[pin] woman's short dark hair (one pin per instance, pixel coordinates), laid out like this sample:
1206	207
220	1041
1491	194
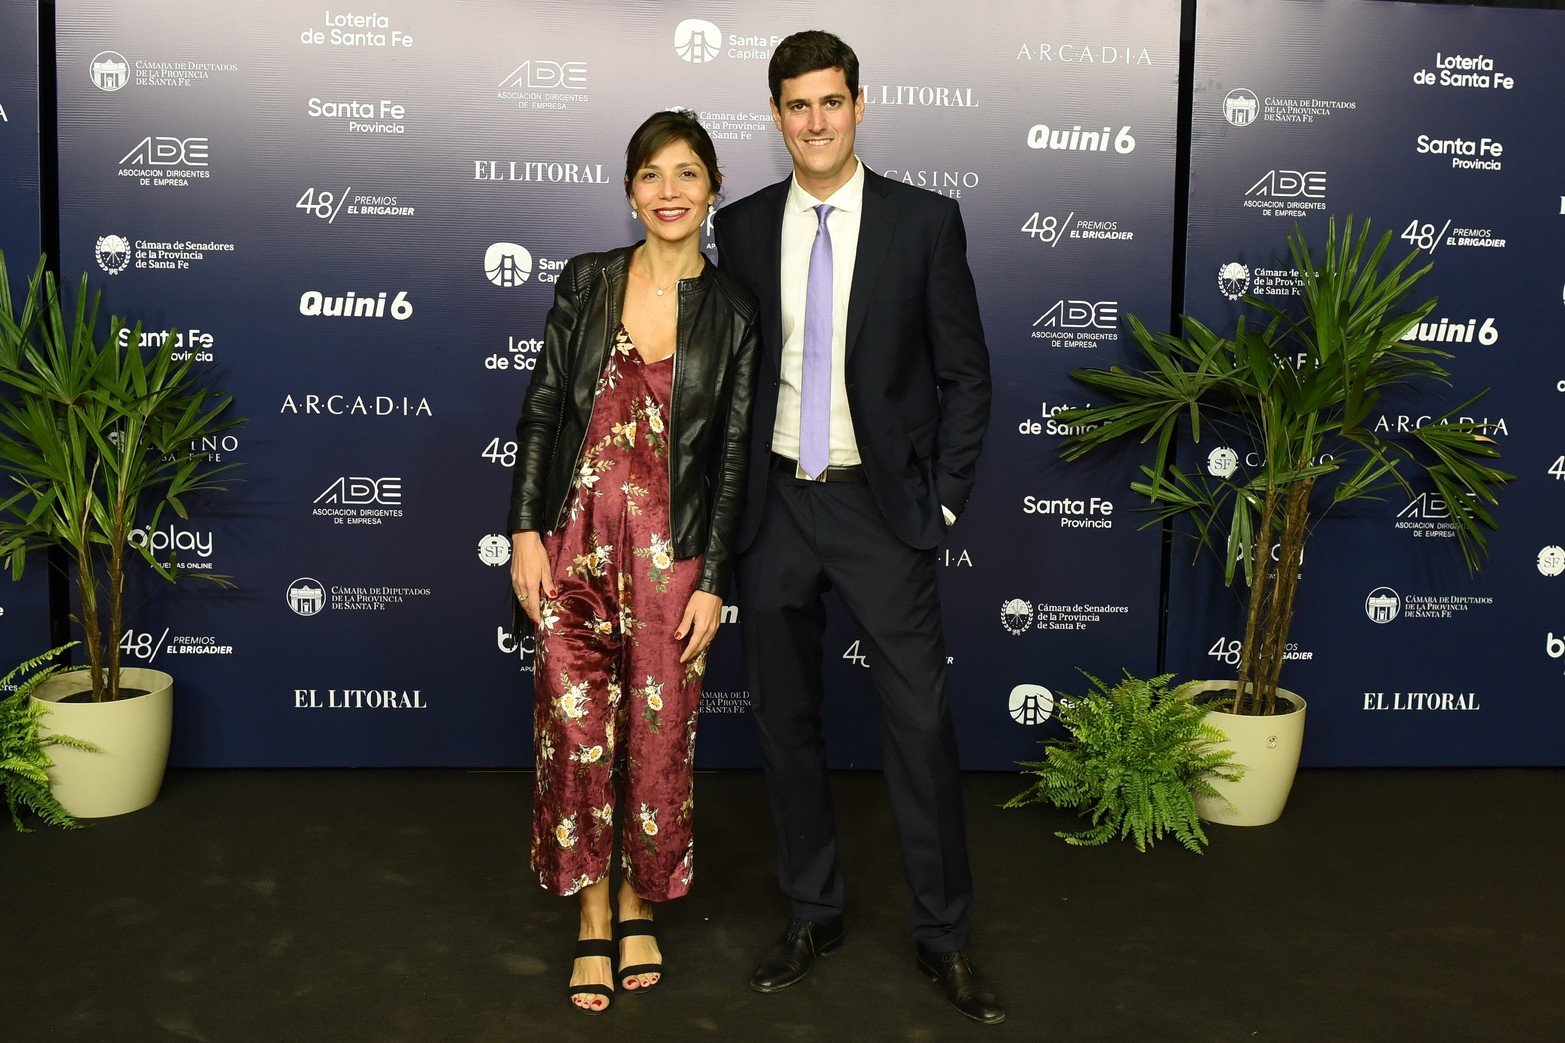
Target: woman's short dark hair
662	129
808	51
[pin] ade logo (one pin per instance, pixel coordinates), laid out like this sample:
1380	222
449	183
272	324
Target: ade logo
170	152
544	75
363	492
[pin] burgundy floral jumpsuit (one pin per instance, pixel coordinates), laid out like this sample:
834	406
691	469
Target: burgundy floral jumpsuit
611	697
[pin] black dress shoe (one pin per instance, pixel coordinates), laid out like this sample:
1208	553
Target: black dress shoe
964	986
794	954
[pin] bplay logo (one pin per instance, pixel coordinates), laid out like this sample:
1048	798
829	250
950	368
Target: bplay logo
167	544
523	646
109	71
1383	605
1233	279
113	253
306	596
507	264
1031	704
697	41
1241	107
1016	616
1554	646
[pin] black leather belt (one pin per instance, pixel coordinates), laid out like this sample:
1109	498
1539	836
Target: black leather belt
783	465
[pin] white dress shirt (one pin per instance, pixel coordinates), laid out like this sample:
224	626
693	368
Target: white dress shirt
798	239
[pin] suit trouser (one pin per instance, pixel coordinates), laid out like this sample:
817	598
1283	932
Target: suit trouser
814	537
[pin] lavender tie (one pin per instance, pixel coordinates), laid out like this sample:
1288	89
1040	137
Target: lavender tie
815	386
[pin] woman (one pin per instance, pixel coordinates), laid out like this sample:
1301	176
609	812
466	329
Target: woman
630	466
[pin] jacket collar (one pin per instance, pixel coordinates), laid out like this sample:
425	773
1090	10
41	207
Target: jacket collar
615	264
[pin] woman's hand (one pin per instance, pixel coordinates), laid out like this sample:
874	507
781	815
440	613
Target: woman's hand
702	616
530	573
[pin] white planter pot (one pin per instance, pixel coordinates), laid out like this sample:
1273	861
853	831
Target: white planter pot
132	736
1268	747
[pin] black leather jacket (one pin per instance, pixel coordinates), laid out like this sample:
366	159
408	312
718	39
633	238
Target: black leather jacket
715	353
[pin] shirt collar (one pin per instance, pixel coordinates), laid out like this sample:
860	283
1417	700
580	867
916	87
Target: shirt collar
849	197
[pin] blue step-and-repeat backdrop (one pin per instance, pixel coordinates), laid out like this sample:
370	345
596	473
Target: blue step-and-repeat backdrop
24	608
357	216
1435	122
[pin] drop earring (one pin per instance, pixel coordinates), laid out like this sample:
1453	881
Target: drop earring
634	212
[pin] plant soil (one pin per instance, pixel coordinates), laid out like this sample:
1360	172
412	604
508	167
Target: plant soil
1222	700
86	697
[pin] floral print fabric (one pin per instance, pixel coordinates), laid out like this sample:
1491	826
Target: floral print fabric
612	702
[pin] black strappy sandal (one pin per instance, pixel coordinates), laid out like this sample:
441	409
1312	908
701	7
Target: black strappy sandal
592	947
632	929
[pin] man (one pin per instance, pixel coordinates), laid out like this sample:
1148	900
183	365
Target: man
869	414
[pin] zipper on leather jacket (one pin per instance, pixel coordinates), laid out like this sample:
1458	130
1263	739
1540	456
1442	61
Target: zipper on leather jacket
673	399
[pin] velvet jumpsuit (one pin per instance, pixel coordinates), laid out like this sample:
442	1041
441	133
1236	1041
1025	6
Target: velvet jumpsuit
612	701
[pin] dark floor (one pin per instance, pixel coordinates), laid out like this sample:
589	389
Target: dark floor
395	905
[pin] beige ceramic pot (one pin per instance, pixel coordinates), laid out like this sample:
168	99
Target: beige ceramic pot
132	736
1268	748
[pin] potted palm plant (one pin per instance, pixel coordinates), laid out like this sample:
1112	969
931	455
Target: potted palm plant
1299	394
97	439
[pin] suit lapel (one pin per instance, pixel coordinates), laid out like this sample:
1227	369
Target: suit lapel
876	225
770	273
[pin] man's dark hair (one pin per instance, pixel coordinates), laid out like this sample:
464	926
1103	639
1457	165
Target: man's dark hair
808	51
664	128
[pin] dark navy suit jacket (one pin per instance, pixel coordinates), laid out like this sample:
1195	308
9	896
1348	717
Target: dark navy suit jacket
917	369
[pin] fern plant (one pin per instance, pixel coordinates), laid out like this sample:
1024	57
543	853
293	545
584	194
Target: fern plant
1136	758
24	764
